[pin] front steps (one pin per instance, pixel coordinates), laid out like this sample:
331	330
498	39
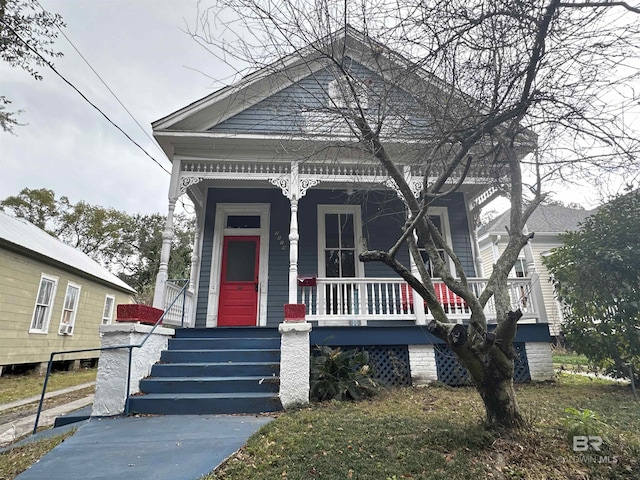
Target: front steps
214	371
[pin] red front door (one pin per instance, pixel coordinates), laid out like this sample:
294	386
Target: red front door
239	282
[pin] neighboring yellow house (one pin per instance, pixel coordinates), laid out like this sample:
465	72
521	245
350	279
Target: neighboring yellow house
52	297
546	222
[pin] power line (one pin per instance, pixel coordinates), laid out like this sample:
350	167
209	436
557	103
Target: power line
50	65
103	82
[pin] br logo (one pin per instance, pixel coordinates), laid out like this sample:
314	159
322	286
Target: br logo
582	443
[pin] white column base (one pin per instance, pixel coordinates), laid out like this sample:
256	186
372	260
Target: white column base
111	383
294	363
422	361
540	362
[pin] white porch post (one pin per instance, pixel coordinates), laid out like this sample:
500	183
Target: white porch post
167	236
195	255
534	283
294	189
294	237
163	270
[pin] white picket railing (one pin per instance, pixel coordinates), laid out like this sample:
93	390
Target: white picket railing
358	300
179	303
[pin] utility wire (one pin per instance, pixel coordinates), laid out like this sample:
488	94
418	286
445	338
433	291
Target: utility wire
50	65
103	82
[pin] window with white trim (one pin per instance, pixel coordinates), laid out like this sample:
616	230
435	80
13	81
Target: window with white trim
339	234
520	268
107	312
343	88
44	305
339	227
69	309
440	218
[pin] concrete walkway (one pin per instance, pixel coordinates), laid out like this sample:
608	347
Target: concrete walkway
11	430
36	398
172	447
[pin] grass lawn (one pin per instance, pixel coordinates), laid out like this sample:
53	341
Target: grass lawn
17	460
16	387
436	432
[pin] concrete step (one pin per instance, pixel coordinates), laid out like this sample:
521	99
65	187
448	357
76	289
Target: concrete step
220	356
73	417
209	369
204	403
259	384
228	332
197	343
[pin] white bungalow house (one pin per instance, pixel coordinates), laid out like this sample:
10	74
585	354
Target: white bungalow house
284	206
547	222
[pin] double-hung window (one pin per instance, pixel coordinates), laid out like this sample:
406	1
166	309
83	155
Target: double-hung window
69	309
440	218
44	304
339	227
107	312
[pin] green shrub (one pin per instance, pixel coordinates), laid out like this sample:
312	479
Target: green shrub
582	423
341	375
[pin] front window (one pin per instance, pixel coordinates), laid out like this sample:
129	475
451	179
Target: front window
44	305
441	222
107	312
69	309
338	255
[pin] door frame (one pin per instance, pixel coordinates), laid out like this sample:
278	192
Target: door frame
223	210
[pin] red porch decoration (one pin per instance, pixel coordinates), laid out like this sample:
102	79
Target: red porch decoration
294	312
136	312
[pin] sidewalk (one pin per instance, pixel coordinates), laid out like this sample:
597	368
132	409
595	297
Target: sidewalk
17	428
176	447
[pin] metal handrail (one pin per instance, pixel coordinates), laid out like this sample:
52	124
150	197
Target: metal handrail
102	349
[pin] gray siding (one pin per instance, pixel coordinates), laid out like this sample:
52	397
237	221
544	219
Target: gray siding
287	110
383	217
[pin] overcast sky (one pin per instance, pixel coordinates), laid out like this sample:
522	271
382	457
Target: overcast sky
138	49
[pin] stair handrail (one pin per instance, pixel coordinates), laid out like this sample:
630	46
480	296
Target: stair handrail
102	349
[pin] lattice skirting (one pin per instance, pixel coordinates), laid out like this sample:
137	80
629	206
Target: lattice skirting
390	364
452	373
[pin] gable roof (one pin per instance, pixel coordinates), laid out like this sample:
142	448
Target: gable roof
21	235
551	219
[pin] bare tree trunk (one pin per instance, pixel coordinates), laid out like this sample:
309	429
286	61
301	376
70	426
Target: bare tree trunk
499	399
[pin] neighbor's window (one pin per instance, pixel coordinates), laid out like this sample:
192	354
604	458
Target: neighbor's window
44	305
69	309
520	268
107	313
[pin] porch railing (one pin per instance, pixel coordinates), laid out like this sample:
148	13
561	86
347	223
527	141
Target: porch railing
178	303
355	300
130	347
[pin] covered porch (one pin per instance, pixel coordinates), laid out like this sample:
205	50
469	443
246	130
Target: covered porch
290	269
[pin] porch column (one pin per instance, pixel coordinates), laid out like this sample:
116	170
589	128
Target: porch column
195	255
294	189
294	237
418	302
534	281
167	236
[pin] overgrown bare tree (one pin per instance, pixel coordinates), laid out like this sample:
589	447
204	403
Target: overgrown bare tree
516	92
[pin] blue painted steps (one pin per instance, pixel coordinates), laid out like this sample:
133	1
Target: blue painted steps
214	371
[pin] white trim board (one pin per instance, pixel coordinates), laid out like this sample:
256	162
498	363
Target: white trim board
223	210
